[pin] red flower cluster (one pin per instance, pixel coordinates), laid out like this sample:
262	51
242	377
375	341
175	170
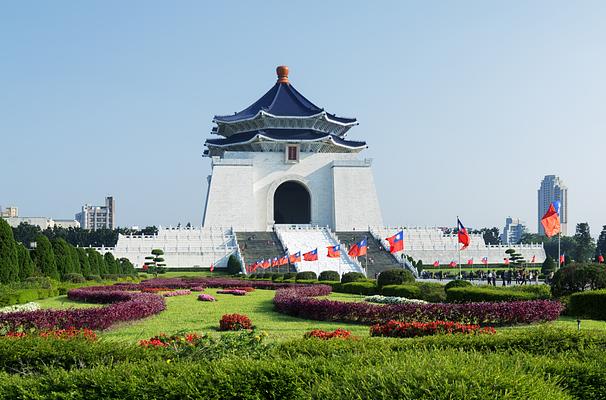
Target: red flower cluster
414	329
63	334
234	322
235	292
155	289
163	340
320	334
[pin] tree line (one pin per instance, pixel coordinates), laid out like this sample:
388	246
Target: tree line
54	258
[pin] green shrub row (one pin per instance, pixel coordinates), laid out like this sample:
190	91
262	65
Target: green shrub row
589	304
487	293
21	296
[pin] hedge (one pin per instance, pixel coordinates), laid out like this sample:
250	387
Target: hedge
20	296
362	287
397	276
481	293
329	276
306	275
408	291
589	304
352	277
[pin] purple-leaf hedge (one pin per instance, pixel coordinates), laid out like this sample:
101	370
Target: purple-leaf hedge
299	302
125	306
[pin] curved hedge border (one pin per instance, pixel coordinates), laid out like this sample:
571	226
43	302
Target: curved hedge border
125	307
298	302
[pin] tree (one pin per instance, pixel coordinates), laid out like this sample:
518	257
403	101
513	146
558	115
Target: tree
491	235
548	266
110	262
83	261
44	258
515	259
9	263
93	261
601	244
126	267
154	264
234	267
26	233
577	278
26	265
585	245
63	257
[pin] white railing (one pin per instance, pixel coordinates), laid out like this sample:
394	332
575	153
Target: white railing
239	253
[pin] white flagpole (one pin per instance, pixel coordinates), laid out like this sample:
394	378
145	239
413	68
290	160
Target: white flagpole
458	248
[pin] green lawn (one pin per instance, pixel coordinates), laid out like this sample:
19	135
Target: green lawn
186	313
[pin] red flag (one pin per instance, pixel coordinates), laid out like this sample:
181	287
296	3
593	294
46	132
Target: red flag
436	263
453	264
533	259
485	260
470	261
275	262
362	247
333	251
551	220
311	255
600	258
283	260
212	267
354	251
506	261
396	242
145	267
266	264
295	258
562	259
463	236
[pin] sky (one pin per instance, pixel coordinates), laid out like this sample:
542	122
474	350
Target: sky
465	105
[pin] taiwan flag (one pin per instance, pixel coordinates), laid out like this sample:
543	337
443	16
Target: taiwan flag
283	260
362	247
551	219
311	255
534	258
563	258
506	261
295	258
436	263
485	260
266	263
212	267
274	262
396	242
600	259
333	251
354	251
462	234
470	261
453	264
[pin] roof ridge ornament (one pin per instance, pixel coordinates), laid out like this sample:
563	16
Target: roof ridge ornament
282	71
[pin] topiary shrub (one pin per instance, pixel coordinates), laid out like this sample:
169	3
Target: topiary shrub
408	291
479	294
290	275
97	278
74	278
577	278
352	277
329	276
588	304
360	287
548	266
234	267
457	283
277	277
431	292
395	277
234	322
305	276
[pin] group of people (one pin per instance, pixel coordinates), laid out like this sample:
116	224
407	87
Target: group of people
521	277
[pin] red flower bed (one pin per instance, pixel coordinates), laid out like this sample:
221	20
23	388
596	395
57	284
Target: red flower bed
320	334
163	340
234	322
414	329
155	289
247	289
235	292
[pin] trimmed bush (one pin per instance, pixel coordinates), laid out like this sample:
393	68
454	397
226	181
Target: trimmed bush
578	277
395	277
432	292
306	275
74	278
361	287
290	275
415	329
277	277
457	283
234	322
408	291
352	277
329	276
481	293
588	304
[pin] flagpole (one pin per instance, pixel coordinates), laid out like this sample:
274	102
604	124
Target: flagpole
459	249
559	252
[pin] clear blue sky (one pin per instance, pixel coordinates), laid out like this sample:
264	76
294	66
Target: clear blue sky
465	105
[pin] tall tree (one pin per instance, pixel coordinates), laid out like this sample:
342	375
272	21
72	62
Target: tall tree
26	265
26	233
93	261
585	248
110	262
601	245
9	263
63	256
44	257
83	261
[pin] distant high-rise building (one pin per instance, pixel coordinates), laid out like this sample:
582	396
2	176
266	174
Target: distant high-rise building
513	231
9	212
98	217
552	189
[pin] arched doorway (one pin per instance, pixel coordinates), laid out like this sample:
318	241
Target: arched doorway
292	204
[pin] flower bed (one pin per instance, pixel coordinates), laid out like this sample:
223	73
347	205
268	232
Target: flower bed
393	300
247	289
155	289
235	292
197	288
126	306
181	292
31	306
320	334
299	302
234	322
414	329
176	341
206	297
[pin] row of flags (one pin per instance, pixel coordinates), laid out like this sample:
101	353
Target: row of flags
396	242
484	261
358	249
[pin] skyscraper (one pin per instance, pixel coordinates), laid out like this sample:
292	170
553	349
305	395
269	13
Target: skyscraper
552	189
513	231
98	217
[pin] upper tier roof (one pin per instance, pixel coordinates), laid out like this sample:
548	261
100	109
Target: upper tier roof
281	101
